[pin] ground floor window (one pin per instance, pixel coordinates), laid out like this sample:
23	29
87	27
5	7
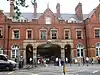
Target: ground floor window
15	51
80	50
1	51
98	49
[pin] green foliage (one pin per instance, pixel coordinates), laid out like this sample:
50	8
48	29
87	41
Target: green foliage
17	4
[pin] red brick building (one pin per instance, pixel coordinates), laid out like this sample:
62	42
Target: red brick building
50	34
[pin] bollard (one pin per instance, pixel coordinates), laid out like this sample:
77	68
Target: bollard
64	68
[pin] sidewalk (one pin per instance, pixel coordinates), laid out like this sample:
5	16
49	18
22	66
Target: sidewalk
58	70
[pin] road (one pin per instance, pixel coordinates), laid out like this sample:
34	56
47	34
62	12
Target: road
57	70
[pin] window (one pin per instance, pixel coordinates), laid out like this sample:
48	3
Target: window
97	33
48	20
79	34
1	33
98	49
53	34
16	34
66	34
43	35
80	50
71	20
1	51
29	34
15	51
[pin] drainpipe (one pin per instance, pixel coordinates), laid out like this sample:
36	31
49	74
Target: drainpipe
4	34
86	42
8	40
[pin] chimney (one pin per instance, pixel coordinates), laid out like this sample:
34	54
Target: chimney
35	9
11	8
78	11
58	10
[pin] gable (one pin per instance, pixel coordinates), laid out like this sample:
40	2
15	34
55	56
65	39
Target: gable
49	15
95	16
2	17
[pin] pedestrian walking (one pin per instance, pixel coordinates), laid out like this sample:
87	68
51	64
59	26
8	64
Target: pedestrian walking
87	61
21	62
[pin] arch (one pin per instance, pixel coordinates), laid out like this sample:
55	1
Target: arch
29	54
49	50
98	49
67	49
15	53
80	50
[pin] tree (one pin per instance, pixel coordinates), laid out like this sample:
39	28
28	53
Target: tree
17	4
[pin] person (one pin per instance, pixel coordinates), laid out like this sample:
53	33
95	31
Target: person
66	60
21	62
87	60
91	60
83	60
57	61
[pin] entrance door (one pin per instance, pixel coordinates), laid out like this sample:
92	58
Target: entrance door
68	52
29	54
50	51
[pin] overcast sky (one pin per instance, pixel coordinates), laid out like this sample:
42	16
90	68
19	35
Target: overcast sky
67	6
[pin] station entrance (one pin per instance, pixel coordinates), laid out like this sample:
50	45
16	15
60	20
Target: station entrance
49	51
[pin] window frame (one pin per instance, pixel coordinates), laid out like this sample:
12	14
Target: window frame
56	34
45	34
69	35
15	49
80	50
98	50
81	36
47	20
27	33
13	37
95	33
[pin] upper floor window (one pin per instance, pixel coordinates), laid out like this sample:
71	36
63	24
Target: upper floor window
29	34
43	34
98	49
79	34
54	34
72	20
1	35
16	34
97	33
48	20
80	51
66	34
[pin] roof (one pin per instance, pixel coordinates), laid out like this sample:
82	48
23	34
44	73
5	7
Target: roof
64	16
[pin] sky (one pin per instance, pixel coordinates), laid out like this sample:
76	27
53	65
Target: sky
66	6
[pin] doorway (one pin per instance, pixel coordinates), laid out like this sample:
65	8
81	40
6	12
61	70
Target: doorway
49	51
67	49
29	54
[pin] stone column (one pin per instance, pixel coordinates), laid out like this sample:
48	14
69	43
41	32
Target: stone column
63	54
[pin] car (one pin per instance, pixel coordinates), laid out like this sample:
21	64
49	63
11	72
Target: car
5	63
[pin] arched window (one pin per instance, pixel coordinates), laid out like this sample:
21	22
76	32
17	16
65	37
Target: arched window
15	51
80	50
98	49
1	50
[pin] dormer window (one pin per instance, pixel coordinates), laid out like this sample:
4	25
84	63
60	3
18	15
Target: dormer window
71	20
47	20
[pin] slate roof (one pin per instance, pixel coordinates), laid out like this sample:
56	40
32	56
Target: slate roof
64	16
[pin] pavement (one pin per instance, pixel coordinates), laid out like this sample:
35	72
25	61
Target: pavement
74	69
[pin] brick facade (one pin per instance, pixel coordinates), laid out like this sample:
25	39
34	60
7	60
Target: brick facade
86	23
